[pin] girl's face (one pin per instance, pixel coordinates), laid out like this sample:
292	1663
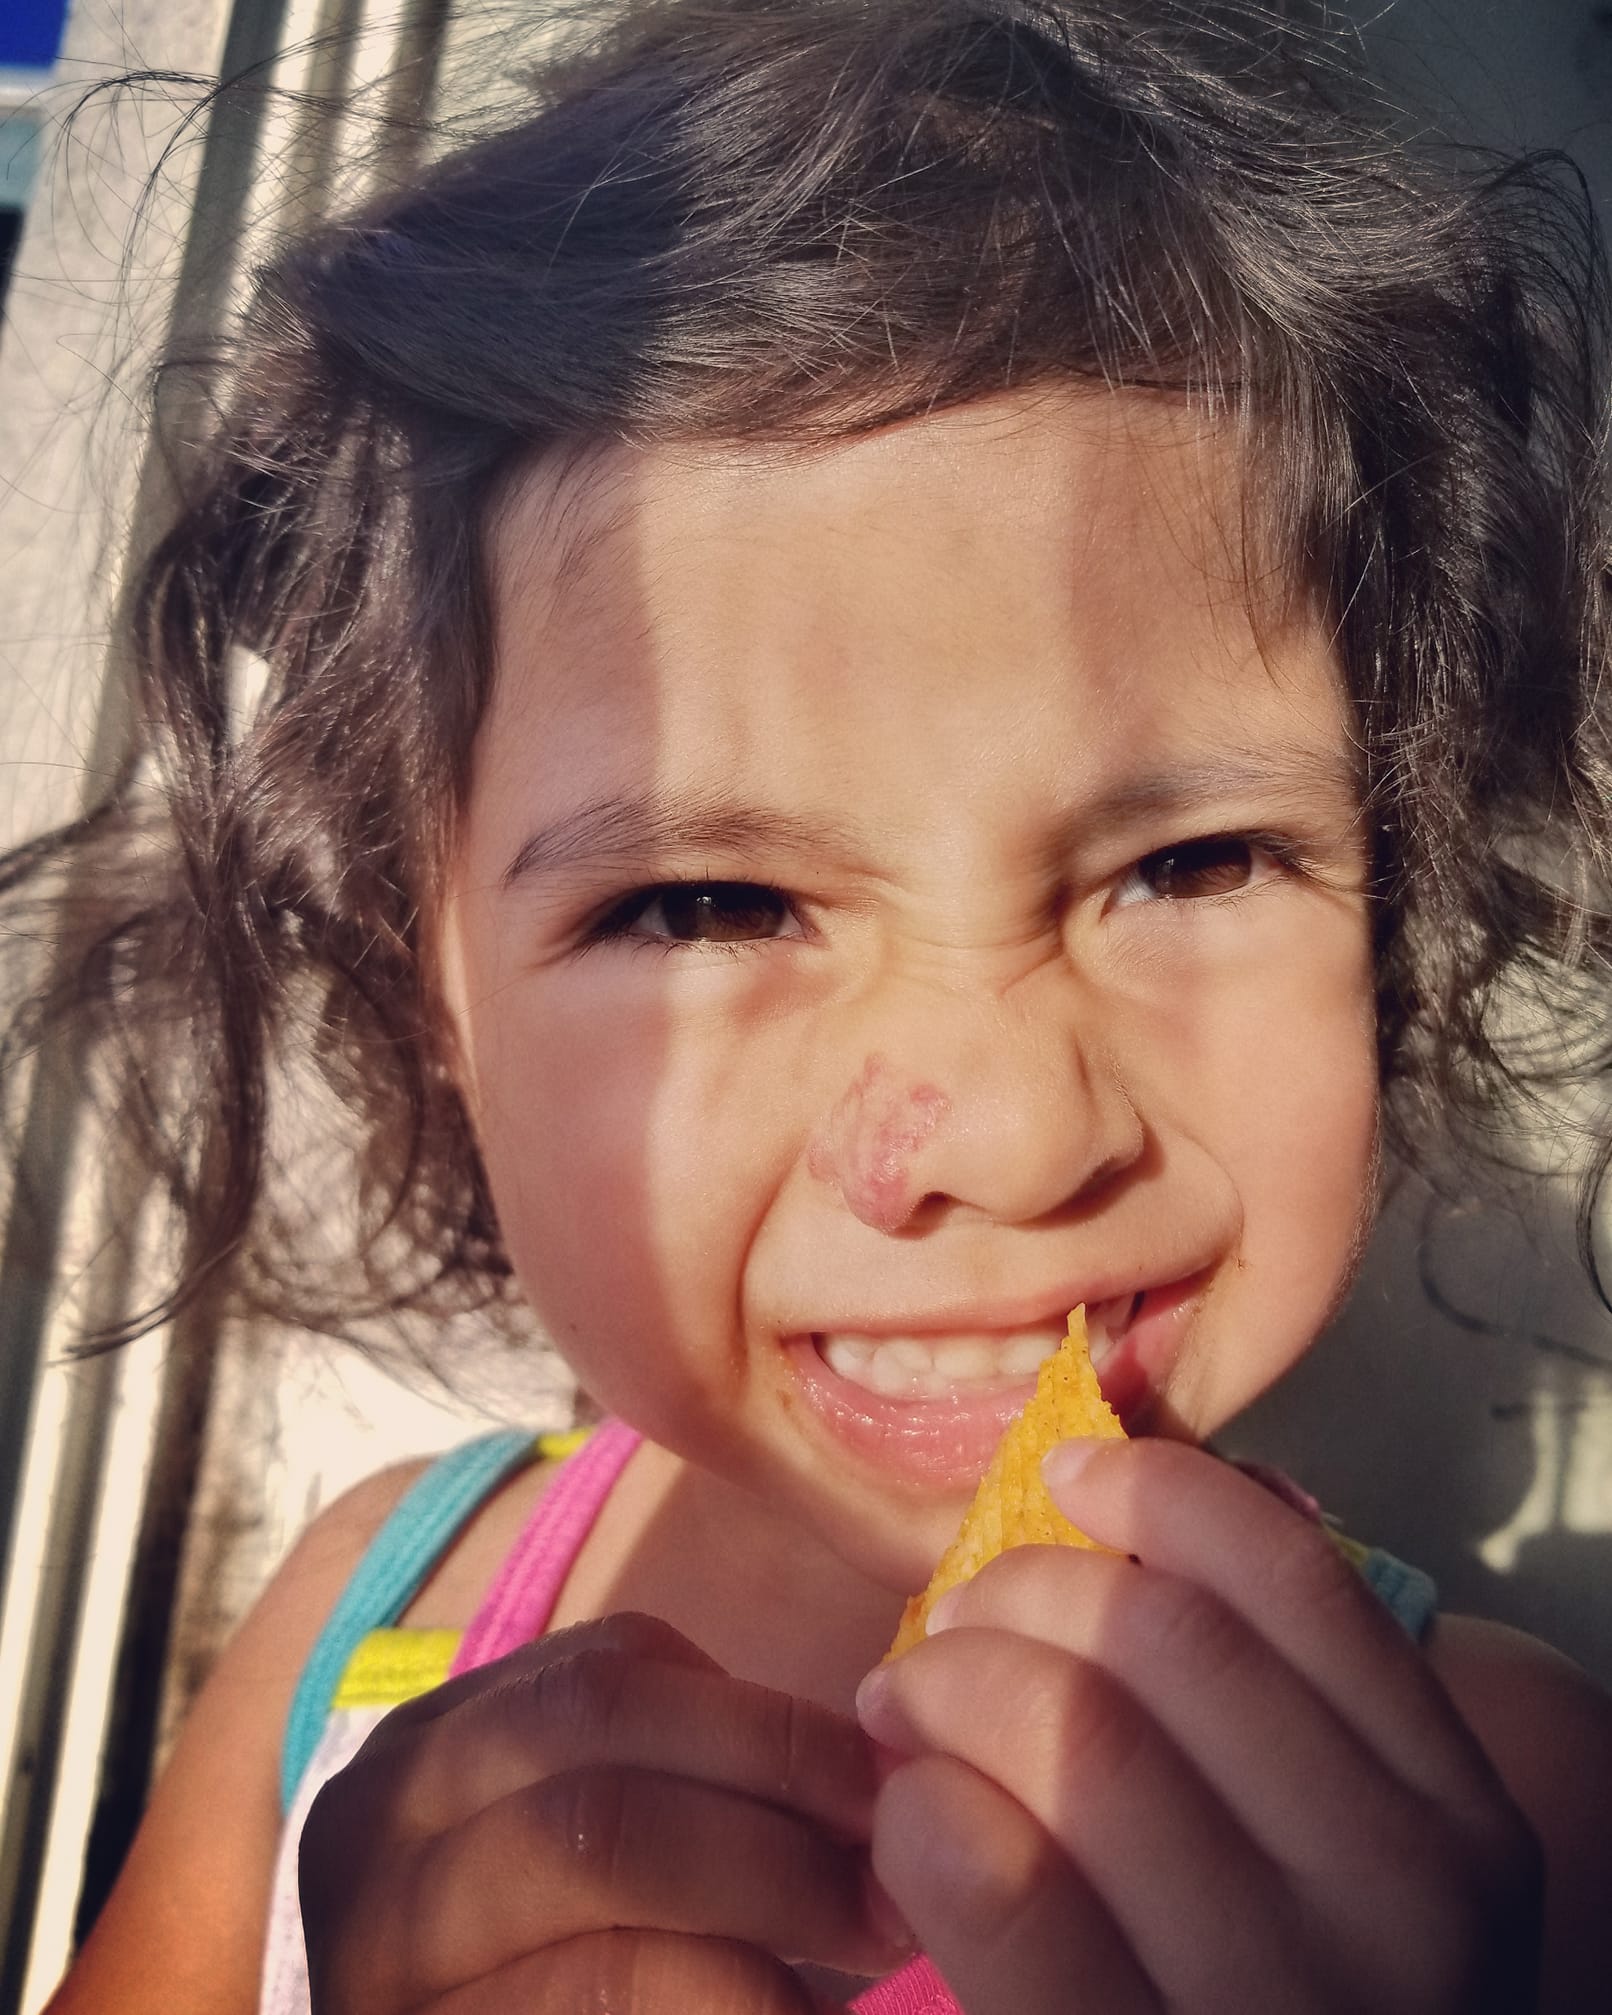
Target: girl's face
903	894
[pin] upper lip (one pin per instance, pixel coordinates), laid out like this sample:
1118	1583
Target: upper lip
1025	1312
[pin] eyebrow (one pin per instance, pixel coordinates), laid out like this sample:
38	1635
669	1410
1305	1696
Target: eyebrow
622	831
1297	772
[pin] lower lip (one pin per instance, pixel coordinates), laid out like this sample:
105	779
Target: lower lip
935	1444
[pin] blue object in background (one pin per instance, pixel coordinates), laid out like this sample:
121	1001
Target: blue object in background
30	36
30	33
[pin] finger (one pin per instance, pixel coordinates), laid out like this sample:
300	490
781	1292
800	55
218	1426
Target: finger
1270	1747
583	1851
638	1973
1132	1813
1012	1926
606	1704
626	1631
1190	1514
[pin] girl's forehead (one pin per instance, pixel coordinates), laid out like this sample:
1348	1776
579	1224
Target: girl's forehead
1099	470
1080	555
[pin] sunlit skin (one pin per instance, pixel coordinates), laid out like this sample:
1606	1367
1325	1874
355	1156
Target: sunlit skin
904	887
869	1149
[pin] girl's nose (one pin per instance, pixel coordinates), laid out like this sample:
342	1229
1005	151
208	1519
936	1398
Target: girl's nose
1013	1127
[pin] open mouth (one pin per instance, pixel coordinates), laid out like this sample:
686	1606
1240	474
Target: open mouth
966	1363
931	1406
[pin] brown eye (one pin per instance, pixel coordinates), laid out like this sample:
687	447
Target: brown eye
1195	869
1202	868
704	913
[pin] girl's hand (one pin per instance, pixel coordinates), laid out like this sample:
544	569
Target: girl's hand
1216	1776
604	1819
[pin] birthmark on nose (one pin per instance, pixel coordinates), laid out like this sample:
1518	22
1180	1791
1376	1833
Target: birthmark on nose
867	1144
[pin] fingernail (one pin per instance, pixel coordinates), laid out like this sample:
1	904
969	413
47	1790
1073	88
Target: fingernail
1062	1465
870	1695
944	1613
878	1709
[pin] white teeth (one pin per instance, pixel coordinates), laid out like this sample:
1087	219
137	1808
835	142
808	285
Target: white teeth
886	1374
911	1367
848	1355
966	1362
1106	1323
1028	1354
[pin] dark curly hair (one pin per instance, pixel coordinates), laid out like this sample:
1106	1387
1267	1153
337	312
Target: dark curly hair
724	221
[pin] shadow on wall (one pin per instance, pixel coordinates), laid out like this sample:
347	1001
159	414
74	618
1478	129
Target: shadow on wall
1460	1413
1508	73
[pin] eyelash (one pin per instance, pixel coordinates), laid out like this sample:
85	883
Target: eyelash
619	923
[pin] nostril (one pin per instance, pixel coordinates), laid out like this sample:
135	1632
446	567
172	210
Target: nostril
931	1205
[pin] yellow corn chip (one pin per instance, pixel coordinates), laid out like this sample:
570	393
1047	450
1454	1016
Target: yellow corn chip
1011	1506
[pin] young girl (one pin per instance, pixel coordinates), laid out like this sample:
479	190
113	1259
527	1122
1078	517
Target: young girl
923	664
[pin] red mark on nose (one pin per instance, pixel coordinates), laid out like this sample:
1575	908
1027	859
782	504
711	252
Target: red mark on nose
867	1143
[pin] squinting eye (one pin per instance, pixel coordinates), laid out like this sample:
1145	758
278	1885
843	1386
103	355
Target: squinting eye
1219	866
701	913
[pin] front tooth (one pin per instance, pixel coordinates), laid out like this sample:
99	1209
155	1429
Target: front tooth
965	1361
1027	1354
891	1375
1100	1345
848	1355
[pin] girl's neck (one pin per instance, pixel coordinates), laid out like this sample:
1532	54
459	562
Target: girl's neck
762	1595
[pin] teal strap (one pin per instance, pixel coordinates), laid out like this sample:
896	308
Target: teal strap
1409	1595
393	1569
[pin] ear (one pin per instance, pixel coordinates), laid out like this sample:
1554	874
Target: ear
442	1000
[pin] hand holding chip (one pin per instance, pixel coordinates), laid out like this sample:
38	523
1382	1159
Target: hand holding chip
1191	1766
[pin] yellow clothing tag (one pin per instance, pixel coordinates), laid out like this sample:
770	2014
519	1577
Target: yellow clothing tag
391	1666
556	1447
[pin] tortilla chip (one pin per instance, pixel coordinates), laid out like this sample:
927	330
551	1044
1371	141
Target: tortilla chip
1011	1506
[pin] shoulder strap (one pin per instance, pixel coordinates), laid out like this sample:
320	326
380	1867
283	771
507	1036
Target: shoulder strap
1408	1593
517	1607
916	1990
392	1570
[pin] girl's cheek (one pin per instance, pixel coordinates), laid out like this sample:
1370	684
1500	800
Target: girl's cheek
615	1150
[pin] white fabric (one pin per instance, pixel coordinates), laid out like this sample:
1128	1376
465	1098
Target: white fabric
285	1958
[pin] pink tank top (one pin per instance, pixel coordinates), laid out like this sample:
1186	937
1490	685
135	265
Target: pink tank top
517	1607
